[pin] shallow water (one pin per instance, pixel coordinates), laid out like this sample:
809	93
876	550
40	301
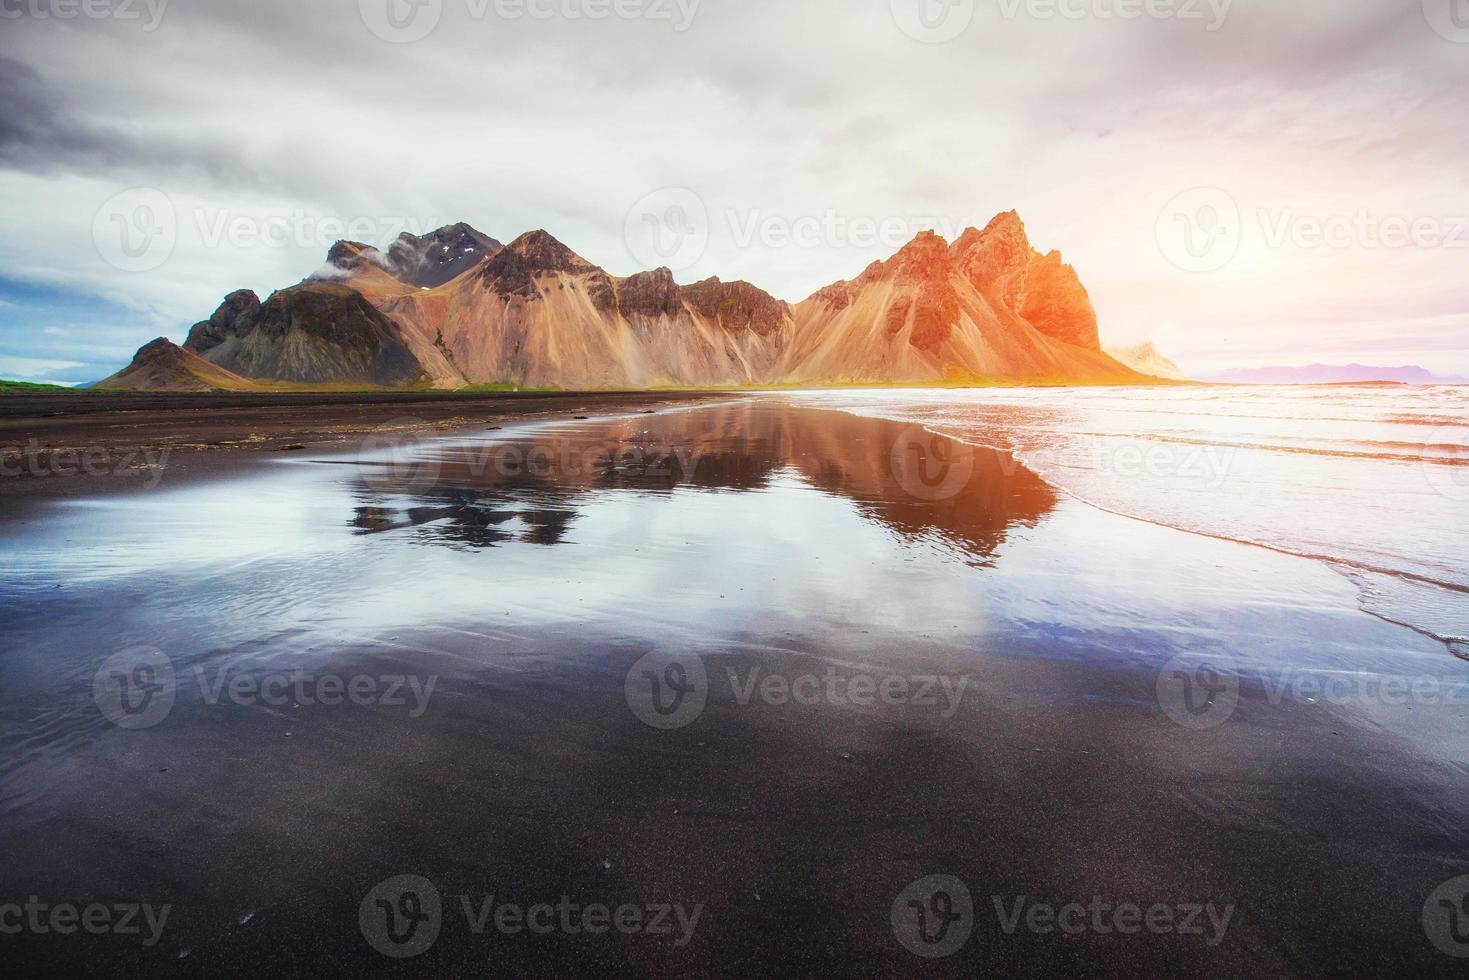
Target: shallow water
1373	478
517	582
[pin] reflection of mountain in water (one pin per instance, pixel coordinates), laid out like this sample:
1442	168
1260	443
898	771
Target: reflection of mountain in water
480	493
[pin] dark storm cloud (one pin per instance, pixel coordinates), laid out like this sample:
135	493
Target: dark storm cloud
46	128
36	129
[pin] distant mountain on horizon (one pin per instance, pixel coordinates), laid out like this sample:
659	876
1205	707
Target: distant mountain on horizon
1144	358
1319	374
456	308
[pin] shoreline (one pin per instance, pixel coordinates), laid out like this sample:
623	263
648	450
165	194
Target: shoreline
117	443
1363	573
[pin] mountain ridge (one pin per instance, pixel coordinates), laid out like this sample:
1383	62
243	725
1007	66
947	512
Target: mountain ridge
455	307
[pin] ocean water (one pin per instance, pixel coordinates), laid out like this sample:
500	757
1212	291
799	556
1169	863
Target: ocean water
1371	479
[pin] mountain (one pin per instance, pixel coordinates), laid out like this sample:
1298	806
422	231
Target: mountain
989	307
537	314
162	365
456	308
1320	374
317	332
426	262
1145	359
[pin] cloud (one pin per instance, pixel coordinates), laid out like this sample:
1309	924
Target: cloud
767	110
12	366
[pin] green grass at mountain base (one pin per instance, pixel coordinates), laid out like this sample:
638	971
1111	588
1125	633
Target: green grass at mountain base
27	387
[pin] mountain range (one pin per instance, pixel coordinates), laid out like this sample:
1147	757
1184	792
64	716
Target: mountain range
457	308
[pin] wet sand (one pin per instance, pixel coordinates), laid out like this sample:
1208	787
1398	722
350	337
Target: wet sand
561	582
82	444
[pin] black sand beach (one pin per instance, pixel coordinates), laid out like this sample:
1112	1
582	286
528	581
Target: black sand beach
712	692
103	442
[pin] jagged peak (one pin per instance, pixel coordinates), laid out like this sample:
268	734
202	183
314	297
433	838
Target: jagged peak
662	274
347	257
733	286
240	297
736	305
1006	223
926	241
923	258
458	228
542	251
433	259
345	248
1004	227
1006	219
538	238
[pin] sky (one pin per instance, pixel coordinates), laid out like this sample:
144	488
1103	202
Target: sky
1243	182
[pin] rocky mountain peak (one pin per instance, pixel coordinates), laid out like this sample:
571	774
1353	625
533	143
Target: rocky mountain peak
514	269
923	262
234	318
738	306
162	365
440	256
1056	303
1001	249
541	251
346	256
926	245
159	350
650	294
